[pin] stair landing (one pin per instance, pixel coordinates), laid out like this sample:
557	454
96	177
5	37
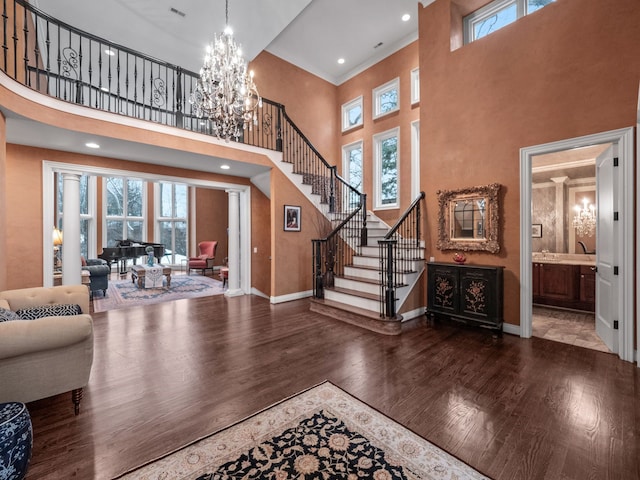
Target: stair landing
359	317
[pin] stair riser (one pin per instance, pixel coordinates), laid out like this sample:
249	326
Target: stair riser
360	273
371	305
375	263
374	251
358	286
371	232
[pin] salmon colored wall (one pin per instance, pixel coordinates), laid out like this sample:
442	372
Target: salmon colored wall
567	70
261	260
212	220
309	100
399	65
291	251
4	227
24	203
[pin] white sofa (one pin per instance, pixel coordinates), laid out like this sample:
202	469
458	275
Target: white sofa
50	355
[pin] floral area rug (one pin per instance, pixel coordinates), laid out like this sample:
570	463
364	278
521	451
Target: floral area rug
321	433
125	293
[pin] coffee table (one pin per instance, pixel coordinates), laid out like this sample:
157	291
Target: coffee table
138	273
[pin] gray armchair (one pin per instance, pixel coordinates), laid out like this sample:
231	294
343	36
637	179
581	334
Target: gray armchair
99	271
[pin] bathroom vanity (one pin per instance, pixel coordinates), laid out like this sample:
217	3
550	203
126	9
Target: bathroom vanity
566	281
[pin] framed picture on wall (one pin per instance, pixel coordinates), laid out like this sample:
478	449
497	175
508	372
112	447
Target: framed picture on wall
291	218
536	230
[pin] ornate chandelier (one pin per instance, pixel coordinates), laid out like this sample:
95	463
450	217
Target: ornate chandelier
225	94
584	221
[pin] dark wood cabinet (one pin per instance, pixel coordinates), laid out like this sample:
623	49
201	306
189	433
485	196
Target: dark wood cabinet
588	286
562	285
558	281
468	293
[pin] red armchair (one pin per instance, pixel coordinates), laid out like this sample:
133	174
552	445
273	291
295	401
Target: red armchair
204	261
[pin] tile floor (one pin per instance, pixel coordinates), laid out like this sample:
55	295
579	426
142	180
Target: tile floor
567	326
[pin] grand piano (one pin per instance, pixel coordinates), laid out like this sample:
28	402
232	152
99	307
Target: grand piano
130	249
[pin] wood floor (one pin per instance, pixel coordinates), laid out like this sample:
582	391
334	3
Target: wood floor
166	374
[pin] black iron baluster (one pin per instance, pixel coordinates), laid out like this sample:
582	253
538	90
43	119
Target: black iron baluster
79	89
109	77
15	44
126	83
25	33
48	47
5	47
136	110
36	54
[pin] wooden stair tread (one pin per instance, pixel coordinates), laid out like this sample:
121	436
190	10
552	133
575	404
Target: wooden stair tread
349	308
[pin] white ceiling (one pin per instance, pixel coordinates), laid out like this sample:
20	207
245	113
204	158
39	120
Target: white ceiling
311	34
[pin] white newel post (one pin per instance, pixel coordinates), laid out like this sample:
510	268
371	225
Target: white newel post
234	245
71	265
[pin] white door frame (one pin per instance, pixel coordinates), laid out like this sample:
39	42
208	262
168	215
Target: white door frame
624	243
49	167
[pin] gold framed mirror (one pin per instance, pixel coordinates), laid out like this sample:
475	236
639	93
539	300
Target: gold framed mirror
468	219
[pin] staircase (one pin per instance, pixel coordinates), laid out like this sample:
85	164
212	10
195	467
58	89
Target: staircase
364	270
358	295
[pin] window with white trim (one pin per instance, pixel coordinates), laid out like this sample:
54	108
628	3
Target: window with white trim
352	114
496	15
386	147
415	86
125	205
172	219
386	98
352	165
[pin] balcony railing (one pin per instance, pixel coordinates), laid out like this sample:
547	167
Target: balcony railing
67	63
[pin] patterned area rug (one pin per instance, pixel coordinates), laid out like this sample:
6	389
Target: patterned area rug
321	433
124	293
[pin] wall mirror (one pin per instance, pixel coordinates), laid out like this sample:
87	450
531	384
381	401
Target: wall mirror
468	219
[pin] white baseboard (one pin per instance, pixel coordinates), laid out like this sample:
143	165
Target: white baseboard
511	329
291	296
255	291
406	316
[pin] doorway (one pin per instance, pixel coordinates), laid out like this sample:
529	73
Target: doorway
564	243
619	310
241	214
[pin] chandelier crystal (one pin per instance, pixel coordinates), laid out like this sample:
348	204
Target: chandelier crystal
584	221
225	94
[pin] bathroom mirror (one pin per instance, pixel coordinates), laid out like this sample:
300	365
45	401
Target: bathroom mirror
468	219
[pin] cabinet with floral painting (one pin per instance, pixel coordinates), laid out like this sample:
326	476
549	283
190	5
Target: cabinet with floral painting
468	293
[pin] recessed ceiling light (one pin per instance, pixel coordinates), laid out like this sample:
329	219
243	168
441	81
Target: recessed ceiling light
341	61
406	17
225	167
109	52
92	145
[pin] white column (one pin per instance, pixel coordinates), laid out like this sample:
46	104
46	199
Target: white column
71	229
233	261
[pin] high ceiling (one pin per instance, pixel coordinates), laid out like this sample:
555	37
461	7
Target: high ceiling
312	34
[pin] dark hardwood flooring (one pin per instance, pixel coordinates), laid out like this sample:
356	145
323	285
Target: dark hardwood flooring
166	374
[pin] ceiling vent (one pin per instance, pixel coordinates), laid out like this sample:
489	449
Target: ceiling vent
178	12
378	45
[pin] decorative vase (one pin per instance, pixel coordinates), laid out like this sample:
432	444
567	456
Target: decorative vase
459	258
150	259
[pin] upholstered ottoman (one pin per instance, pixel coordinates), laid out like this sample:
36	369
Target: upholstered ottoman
15	440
